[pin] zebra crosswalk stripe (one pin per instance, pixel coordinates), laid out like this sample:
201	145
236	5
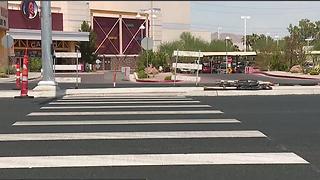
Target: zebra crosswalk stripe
130	135
150	160
124	122
125	102
127	107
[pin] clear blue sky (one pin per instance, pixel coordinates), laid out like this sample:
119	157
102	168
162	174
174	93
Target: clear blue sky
266	16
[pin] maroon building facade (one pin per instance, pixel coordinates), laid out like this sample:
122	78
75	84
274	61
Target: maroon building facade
119	40
18	21
108	35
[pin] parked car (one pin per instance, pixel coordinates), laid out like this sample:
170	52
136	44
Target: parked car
206	68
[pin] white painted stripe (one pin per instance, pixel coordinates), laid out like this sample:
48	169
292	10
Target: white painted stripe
126	107
112	100
124	122
68	79
122	97
130	102
130	135
97	113
151	160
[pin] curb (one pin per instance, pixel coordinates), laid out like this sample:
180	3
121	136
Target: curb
285	76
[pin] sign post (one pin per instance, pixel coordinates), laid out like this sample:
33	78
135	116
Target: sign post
175	68
147	44
77	76
198	61
7	42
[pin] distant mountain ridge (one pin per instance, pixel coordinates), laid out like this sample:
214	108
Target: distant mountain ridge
236	38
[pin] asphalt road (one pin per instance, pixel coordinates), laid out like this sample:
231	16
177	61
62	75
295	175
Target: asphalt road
290	123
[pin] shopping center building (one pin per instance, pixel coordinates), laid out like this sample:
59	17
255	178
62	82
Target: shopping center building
120	26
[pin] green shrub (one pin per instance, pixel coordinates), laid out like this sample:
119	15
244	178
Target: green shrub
6	70
35	65
314	72
167	78
142	74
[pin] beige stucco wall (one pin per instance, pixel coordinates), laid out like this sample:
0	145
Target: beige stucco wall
172	12
74	13
3	51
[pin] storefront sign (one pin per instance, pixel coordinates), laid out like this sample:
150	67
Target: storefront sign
35	44
29	9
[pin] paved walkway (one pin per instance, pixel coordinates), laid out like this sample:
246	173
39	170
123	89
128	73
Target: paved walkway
12	78
290	75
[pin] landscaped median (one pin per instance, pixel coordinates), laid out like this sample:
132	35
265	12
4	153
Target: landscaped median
167	78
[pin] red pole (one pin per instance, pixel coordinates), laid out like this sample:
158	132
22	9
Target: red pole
114	77
18	85
24	88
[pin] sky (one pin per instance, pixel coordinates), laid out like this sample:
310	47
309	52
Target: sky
271	17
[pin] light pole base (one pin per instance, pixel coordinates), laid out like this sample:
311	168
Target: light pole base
47	86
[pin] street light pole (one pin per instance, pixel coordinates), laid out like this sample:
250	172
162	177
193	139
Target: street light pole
245	31
308	43
219	28
46	41
277	38
227	38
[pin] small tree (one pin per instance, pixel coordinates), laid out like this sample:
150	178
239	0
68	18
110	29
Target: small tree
87	48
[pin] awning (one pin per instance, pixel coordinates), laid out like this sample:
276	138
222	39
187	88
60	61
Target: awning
234	53
188	53
118	55
29	34
313	52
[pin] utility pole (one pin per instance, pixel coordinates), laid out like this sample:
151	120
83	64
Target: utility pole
245	31
219	28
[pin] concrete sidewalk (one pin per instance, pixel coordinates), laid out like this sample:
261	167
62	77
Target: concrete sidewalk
169	91
12	78
283	74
